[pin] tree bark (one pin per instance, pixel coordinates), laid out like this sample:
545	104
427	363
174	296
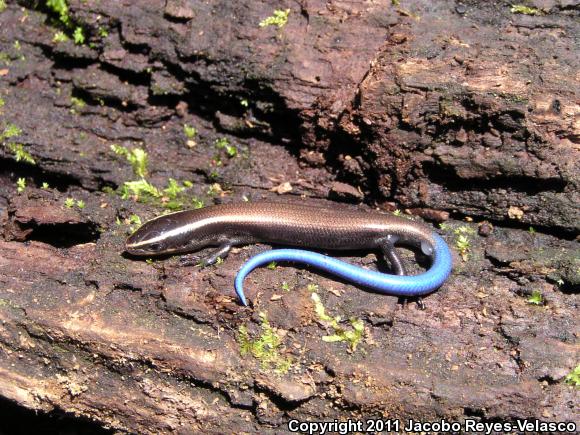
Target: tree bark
437	108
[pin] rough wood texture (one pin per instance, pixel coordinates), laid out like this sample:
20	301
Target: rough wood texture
444	109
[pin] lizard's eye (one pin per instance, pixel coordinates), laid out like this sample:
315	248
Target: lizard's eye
155	246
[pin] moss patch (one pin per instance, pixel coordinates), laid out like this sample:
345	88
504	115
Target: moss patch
525	10
351	335
573	378
265	347
278	18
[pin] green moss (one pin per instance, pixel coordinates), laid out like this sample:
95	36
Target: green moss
224	144
573	378
462	241
536	298
137	157
2	6
312	287
173	197
60	36
69	29
463	245
158	90
352	335
525	10
189	131
11	130
77	104
213	175
17	149
173	194
173	188
134	222
9	305
71	202
138	160
2	102
140	190
20	185
278	18
4	58
60	7
265	347
215	189
20	154
518	99
103	32
197	203
464	229
79	36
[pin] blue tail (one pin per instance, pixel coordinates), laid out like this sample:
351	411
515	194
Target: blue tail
415	285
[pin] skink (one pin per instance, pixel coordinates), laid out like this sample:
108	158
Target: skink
225	226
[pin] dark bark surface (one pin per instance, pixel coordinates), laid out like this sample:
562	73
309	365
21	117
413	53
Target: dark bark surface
456	113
